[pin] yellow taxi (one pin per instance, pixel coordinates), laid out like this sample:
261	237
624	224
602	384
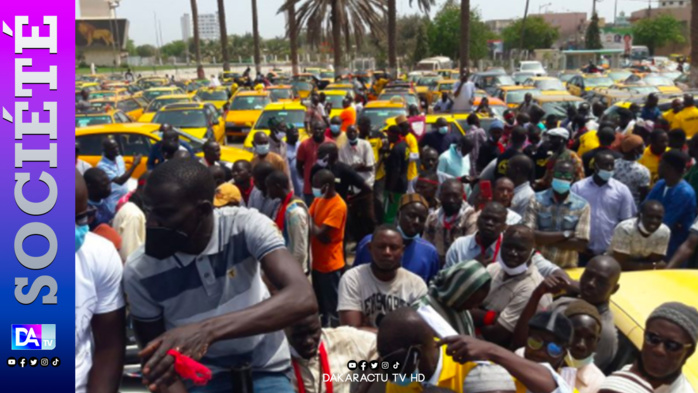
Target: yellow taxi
227	76
159	102
406	95
152	81
335	98
513	96
153	92
444	85
306	76
89	86
129	105
139	138
96	117
557	104
198	119
245	109
346	87
108	93
544	83
217	96
430	120
326	75
303	88
287	112
581	84
496	105
281	93
638	295
637	89
618	74
380	111
449	74
664	84
425	83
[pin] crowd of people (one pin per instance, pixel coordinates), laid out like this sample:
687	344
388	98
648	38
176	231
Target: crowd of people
444	253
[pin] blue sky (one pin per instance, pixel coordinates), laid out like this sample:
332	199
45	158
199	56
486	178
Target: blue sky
238	13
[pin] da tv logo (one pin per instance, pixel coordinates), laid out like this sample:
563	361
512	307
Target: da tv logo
33	337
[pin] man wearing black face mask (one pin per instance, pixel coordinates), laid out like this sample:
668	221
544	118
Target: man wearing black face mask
307	156
191	243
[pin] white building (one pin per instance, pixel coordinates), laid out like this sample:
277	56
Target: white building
209	29
673	3
185	22
94	9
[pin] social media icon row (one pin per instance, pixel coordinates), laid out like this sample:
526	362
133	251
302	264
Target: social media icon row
372	365
33	362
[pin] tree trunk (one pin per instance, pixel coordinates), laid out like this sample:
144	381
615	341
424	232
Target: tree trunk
293	37
523	28
392	36
224	35
255	35
694	44
197	42
464	34
337	36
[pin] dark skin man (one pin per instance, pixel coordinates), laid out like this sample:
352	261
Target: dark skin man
651	216
175	207
318	136
386	250
212	151
111	151
324	180
108	329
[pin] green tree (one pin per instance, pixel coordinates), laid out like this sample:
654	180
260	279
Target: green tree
131	48
174	48
444	33
421	48
539	34
145	50
694	48
593	34
658	31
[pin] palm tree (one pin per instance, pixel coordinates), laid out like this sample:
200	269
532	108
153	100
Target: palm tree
694	44
255	34
224	35
197	43
321	18
292	32
424	6
464	33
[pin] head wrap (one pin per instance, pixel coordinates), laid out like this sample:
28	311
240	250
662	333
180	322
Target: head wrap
226	194
486	377
453	286
497	125
412	198
631	142
680	314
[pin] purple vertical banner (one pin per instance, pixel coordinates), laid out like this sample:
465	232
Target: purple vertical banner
37	176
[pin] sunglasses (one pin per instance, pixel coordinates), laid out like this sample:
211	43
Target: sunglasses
670	345
553	349
84	217
411	358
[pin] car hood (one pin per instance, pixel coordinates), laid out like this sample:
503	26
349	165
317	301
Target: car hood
243	118
146	117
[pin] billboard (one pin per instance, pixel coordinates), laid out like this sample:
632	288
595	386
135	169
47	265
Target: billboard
104	33
617	38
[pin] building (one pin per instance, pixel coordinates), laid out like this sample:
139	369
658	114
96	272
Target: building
673	3
94	9
209	28
185	22
570	25
498	25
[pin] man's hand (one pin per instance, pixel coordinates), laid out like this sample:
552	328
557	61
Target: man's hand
553	284
190	340
137	159
465	348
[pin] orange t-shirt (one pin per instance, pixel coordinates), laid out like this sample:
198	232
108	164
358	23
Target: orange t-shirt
348	117
333	213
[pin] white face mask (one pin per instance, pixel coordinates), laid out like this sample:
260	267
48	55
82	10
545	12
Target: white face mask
578	363
515	271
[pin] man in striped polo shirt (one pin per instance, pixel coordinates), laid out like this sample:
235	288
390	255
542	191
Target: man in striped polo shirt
196	286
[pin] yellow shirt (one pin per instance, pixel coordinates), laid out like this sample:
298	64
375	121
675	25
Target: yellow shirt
687	120
651	162
451	377
413	148
588	142
670	116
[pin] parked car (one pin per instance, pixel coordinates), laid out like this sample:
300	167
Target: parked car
533	66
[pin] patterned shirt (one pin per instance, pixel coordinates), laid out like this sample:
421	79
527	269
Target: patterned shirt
628	240
632	174
547	215
442	234
522	196
479	138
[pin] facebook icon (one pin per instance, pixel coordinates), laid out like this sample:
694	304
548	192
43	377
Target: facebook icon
34	337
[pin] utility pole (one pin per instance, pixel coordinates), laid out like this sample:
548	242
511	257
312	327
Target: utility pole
649	9
523	30
615	12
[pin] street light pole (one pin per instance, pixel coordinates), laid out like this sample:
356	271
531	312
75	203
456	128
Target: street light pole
113	4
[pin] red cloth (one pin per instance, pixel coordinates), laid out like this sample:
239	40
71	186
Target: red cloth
188	368
281	215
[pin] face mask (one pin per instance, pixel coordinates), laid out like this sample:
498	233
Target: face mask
561	186
604	174
322	162
515	271
405	236
354	141
641	227
261	149
161	242
405	380
578	363
80	233
443	130
334	129
317	192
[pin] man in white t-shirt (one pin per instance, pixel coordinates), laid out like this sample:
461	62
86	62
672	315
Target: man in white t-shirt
99	305
368	292
463	94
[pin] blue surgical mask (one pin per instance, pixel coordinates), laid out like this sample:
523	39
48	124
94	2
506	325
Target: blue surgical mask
354	141
605	175
317	192
405	236
262	149
405	380
443	130
335	129
80	233
561	186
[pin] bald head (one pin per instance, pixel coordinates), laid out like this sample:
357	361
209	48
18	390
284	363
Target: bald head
520	169
600	279
328	149
401	329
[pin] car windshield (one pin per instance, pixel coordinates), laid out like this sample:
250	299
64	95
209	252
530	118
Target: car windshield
550	84
102	94
531	66
598	82
559	108
429	81
566	77
295	117
249	103
643	89
378	116
155	105
517	96
335	100
101	105
153	83
325	75
152	94
281	94
84	121
302	86
658	81
212	95
408	98
619	75
183	119
505	80
671	75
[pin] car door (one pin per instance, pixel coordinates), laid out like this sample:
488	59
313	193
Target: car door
573	86
132	144
216	121
90	147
